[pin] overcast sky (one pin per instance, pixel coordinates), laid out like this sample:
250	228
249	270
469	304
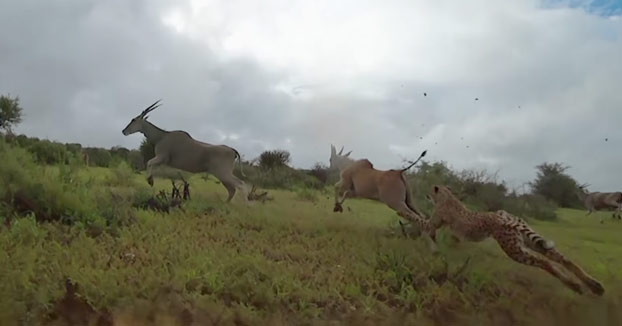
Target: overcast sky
300	75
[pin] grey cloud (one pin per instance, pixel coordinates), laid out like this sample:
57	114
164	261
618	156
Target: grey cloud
84	68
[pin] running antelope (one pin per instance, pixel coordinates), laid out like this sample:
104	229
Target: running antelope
595	201
359	179
177	149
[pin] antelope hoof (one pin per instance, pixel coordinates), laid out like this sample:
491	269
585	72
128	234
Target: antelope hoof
150	181
338	208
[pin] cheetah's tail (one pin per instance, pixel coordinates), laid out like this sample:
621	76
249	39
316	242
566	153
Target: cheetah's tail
529	235
537	240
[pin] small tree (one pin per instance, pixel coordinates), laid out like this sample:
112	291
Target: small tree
320	171
10	113
553	183
74	148
98	156
277	158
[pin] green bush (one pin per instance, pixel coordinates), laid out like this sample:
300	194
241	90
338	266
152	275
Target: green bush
553	183
47	152
479	190
321	172
59	192
531	206
21	140
426	176
278	178
136	161
274	159
98	156
281	178
74	148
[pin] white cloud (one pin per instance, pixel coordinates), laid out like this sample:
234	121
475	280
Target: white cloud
301	75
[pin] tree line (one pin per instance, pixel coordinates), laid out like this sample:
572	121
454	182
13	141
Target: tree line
552	186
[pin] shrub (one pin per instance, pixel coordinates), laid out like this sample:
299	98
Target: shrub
553	183
28	186
118	154
122	175
98	156
119	151
531	206
274	159
135	160
47	152
321	172
479	190
74	148
58	193
279	178
21	140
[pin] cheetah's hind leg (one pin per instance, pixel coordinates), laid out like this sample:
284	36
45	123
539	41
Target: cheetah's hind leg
517	250
554	255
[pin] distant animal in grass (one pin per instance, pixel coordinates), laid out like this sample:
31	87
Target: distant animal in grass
596	201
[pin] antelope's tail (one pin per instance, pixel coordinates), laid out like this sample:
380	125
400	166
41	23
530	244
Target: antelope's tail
239	161
415	162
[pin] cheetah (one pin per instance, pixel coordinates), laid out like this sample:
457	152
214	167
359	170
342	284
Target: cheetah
515	237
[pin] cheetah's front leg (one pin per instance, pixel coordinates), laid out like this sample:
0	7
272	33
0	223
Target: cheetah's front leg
429	231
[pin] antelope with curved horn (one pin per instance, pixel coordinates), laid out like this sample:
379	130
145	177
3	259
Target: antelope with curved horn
359	179
595	201
177	149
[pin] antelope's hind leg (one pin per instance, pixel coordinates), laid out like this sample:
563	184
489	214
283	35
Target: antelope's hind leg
232	184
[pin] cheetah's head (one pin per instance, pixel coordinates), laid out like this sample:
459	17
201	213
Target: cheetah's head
440	194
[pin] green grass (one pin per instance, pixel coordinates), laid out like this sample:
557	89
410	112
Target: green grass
293	261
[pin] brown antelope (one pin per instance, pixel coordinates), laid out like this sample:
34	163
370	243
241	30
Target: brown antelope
177	149
359	179
595	201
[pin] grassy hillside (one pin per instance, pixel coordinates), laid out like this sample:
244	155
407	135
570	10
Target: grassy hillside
288	261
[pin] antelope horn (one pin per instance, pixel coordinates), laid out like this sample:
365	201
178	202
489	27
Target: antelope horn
151	107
